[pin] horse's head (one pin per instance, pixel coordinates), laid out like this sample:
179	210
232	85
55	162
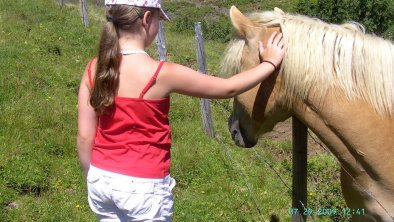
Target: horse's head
259	109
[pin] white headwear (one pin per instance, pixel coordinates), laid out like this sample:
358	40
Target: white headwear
140	3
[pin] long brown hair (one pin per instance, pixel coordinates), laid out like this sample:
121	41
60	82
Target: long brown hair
106	82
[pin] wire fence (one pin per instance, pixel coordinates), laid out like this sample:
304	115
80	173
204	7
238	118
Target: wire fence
240	172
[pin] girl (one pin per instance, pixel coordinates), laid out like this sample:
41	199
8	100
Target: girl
123	103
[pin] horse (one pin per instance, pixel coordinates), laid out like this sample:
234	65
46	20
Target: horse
339	82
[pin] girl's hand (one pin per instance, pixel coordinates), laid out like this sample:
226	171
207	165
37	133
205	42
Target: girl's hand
275	49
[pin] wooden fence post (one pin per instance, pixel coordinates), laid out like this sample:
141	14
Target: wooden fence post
61	3
299	172
161	43
202	67
85	17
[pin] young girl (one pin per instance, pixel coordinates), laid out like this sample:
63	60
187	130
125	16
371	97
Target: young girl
123	104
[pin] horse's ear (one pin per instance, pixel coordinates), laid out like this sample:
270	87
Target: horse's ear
241	23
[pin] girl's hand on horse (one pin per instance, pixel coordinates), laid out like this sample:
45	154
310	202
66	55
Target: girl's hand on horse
275	49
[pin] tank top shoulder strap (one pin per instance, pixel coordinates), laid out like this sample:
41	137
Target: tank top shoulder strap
90	72
152	80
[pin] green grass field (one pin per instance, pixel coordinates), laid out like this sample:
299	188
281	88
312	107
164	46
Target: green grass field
43	52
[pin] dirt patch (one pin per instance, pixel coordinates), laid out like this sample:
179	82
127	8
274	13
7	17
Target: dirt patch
283	132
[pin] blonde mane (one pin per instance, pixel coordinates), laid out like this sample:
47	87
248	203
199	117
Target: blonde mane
327	56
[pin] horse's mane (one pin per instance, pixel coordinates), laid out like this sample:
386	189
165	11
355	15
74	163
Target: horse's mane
327	56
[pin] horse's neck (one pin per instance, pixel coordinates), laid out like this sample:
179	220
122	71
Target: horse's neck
359	137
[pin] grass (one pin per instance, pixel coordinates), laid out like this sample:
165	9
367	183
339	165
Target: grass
43	52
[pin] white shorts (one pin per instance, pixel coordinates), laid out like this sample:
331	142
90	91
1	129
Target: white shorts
116	197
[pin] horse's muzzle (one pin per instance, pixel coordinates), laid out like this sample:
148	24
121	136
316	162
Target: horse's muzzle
236	133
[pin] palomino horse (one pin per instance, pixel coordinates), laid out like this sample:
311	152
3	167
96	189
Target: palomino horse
339	82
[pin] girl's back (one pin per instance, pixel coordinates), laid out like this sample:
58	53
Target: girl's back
135	72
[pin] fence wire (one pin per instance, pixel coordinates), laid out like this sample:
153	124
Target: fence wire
241	174
370	194
260	158
226	111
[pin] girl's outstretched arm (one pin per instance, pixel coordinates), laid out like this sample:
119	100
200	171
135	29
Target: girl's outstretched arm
87	123
186	81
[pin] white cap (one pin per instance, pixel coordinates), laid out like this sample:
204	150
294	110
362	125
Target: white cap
140	3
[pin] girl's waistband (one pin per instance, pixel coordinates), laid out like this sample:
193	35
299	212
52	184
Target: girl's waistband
113	175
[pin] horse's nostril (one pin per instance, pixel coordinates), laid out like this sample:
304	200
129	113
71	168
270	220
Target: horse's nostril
235	132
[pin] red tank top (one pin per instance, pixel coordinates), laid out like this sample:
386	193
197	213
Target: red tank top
134	139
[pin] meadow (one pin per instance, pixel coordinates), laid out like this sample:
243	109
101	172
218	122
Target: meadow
43	52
